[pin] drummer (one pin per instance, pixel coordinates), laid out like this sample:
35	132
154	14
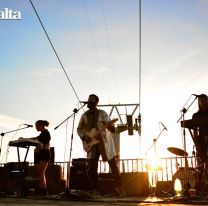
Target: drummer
201	133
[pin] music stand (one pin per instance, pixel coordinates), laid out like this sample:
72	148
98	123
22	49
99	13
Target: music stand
68	192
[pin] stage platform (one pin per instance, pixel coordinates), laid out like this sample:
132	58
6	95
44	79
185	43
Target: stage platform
63	200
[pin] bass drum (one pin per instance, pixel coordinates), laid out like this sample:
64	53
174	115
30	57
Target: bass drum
191	178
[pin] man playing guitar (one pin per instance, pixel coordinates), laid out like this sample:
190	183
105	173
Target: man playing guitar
95	130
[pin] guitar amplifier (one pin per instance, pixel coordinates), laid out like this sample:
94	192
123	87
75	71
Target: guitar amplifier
80	162
79	179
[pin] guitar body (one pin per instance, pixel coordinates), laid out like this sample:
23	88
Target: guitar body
88	145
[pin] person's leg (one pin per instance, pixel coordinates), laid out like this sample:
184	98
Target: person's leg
41	168
115	171
41	174
92	173
92	169
42	186
116	174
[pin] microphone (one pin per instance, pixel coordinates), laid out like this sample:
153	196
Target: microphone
196	95
84	102
164	126
28	125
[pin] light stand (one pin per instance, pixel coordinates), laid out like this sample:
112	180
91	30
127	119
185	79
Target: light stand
68	192
3	134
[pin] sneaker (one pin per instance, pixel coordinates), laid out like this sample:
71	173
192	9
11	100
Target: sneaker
95	193
121	191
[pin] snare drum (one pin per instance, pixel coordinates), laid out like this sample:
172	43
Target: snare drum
191	178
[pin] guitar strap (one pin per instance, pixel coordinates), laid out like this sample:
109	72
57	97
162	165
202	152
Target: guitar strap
92	119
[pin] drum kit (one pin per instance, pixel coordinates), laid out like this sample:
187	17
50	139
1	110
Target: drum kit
189	177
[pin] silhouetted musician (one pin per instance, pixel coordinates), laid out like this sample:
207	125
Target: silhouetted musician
199	126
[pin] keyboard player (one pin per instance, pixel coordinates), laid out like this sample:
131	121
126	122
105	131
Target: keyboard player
200	133
42	154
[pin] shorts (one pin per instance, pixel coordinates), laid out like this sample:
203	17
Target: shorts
43	155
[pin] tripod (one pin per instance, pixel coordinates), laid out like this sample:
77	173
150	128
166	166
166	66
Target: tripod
68	193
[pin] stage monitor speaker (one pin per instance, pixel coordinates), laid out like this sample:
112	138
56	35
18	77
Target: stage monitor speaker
79	179
106	184
136	183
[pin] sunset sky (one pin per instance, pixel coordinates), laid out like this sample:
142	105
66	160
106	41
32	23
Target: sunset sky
97	42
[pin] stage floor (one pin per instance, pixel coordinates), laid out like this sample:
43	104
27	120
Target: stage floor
101	201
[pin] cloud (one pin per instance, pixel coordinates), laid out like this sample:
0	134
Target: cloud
10	122
46	72
204	1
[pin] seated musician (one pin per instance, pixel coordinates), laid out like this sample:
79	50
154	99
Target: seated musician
42	154
200	133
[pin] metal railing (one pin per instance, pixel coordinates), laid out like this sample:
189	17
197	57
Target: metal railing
160	169
164	169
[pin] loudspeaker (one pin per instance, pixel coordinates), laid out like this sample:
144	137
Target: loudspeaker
164	186
106	184
79	179
135	183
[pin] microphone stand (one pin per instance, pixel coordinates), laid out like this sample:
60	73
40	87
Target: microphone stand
183	111
155	153
154	142
74	111
68	192
3	134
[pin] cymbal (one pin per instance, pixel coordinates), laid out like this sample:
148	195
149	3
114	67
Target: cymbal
177	151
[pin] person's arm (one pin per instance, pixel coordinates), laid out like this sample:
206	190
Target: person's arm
109	123
110	126
81	129
32	138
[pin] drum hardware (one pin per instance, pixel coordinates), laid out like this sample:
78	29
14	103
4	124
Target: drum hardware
178	152
191	178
